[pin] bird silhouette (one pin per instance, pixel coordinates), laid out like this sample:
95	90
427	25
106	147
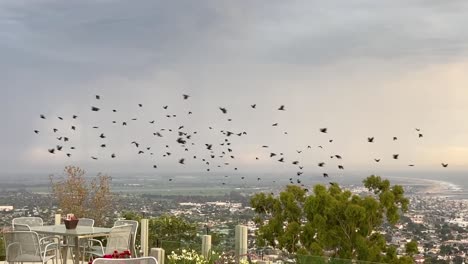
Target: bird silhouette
223	110
395	156
43	116
281	108
323	130
52	151
321	164
370	139
95	109
36	131
98	97
185	96
444	165
377	160
253	106
181	161
140	105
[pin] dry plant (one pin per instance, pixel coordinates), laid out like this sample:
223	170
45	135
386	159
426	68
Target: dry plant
90	199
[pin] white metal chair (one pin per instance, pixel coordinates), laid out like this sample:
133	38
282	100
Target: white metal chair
119	239
142	260
25	246
83	242
30	221
134	233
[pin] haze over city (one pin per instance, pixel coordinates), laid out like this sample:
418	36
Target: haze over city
360	69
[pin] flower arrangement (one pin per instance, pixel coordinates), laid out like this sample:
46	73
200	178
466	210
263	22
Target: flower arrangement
115	255
192	257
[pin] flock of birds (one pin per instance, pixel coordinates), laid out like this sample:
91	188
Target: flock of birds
216	154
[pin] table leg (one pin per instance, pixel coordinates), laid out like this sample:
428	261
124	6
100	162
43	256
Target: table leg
65	250
77	251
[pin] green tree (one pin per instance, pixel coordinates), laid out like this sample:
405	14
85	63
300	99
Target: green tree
411	248
74	194
330	220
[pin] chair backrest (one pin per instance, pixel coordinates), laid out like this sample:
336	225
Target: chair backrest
119	239
22	246
30	221
21	227
85	222
134	225
142	260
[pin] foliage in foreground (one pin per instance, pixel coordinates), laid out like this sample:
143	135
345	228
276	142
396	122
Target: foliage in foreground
90	199
331	221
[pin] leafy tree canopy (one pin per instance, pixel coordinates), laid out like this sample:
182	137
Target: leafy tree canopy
331	220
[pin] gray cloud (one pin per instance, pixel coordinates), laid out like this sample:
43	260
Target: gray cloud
333	63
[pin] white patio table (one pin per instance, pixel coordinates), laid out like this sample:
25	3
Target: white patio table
76	234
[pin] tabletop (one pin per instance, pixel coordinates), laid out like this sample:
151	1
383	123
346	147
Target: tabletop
80	231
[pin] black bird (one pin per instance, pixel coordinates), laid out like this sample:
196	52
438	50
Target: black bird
370	139
140	105
411	165
72	147
420	135
281	160
124	123
181	141
158	134
208	146
36	131
98	97
338	156
295	162
73	127
59	138
264	146
281	108
272	154
299	173
418	129
113	110
253	106
52	151
395	138
59	117
165	107
444	165
141	152
275	124
134	119
65	139
75	116
95	127
185	96
113	155
151	122
181	161
103	145
325	175
223	110
189	112
55	130
68	155
59	148
155	166
321	164
43	117
340	167
323	130
102	135
331	140
377	160
395	156
94	158
95	109
301	167
136	144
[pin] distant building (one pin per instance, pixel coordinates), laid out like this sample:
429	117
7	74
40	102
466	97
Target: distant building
6	208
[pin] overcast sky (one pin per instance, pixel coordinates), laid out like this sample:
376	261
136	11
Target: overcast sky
359	68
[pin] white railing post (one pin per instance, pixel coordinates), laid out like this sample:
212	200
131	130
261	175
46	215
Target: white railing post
58	219
144	237
241	242
158	254
206	246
